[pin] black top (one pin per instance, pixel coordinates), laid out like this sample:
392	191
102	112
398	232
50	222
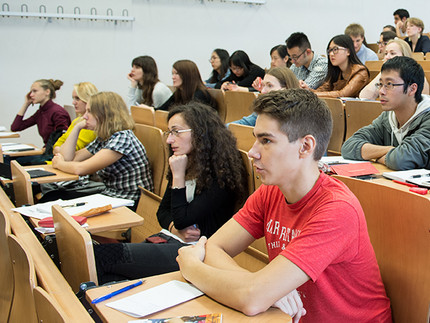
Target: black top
423	44
209	210
246	80
199	95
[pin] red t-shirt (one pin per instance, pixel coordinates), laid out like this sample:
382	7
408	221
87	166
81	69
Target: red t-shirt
325	234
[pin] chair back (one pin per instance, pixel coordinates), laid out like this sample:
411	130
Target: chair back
143	115
374	68
418	56
247	162
6	278
218	96
244	135
398	223
21	184
373	46
153	140
359	114
71	111
47	308
427	56
238	105
147	208
338	133
75	249
23	308
161	119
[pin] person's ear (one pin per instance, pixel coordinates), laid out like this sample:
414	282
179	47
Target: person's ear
412	89
307	146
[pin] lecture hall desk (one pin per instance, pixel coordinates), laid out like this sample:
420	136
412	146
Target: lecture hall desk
199	305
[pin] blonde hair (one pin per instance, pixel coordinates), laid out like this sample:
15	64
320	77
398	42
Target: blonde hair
111	114
404	46
50	85
85	90
416	22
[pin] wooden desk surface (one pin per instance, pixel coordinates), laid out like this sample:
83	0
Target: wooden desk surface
59	177
34	152
200	305
6	135
118	218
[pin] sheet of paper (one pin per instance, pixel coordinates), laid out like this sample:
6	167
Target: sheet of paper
52	230
331	160
15	147
44	210
156	299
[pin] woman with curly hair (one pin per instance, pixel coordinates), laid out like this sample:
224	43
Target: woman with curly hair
206	184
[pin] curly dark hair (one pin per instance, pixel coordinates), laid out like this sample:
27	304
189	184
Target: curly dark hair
214	155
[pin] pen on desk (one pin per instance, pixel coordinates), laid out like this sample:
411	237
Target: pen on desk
119	291
74	205
404	183
418	176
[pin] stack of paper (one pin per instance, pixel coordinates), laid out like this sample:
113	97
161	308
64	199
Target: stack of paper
419	177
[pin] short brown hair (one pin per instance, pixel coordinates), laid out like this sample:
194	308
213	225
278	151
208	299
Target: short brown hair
111	114
354	30
51	85
416	22
287	79
299	113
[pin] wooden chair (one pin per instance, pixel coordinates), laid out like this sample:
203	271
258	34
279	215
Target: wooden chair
249	170
359	114
373	46
238	105
147	209
21	185
426	67
23	308
161	119
143	115
75	249
218	96
418	56
257	181
427	57
1	155
338	133
398	223
6	278
374	68
47	308
71	111
244	135
153	140
252	259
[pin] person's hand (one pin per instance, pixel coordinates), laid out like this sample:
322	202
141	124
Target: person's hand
178	165
257	84
292	305
81	124
399	25
189	253
189	234
224	86
28	99
232	86
303	85
132	80
58	158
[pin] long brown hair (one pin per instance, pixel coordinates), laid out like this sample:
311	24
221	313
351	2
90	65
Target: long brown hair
150	77
191	81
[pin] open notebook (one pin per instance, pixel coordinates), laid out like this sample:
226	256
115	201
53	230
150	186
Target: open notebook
420	177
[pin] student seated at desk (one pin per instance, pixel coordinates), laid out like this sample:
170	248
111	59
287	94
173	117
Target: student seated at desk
51	119
314	227
116	154
206	182
277	78
400	136
81	95
346	75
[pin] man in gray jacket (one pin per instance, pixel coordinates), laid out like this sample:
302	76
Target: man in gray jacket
400	136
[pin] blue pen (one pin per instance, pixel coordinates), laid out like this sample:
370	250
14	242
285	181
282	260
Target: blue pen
119	291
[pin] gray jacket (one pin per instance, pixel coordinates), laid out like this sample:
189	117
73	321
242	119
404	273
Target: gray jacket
412	152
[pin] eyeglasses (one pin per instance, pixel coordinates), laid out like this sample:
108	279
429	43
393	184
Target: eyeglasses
334	50
295	58
389	86
382	43
213	58
175	132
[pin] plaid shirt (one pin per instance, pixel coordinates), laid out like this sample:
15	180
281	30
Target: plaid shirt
315	74
123	177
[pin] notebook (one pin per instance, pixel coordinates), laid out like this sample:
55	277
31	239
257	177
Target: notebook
35	173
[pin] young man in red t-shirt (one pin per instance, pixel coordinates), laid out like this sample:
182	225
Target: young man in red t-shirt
322	266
